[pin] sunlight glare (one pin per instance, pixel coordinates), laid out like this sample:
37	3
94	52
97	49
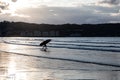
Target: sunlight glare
15	5
19	4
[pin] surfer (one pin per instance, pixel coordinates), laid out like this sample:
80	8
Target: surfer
44	44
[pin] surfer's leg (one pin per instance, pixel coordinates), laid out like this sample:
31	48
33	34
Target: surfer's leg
45	46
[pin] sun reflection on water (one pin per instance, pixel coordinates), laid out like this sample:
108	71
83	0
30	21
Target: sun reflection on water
11	69
23	67
15	73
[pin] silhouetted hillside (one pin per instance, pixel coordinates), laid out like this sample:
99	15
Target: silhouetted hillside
63	30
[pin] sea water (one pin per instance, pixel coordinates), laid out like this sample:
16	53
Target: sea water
67	58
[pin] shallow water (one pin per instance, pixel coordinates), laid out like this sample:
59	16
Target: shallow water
66	59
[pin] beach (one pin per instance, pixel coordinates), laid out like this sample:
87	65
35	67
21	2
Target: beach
27	62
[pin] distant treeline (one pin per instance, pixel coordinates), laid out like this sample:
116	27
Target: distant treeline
64	30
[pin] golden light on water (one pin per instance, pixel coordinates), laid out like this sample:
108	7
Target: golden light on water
12	67
13	73
12	47
12	70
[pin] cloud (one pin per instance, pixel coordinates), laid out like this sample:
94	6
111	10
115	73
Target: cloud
79	15
113	2
3	5
84	14
14	0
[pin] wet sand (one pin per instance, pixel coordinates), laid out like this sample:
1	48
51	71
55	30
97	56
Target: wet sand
21	67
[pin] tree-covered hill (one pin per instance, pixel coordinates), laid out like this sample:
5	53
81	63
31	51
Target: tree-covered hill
63	30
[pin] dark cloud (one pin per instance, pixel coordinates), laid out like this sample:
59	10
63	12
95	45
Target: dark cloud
113	2
79	15
3	5
14	0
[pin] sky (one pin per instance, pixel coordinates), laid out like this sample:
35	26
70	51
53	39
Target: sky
60	11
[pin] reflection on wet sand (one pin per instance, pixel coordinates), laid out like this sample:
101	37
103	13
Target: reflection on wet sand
4	63
13	67
18	67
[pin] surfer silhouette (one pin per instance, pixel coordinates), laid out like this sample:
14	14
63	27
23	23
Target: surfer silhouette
44	44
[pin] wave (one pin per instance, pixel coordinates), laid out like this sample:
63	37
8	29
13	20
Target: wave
81	45
69	42
108	48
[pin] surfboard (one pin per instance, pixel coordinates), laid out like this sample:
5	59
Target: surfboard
45	42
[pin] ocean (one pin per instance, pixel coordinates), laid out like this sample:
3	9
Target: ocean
67	58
